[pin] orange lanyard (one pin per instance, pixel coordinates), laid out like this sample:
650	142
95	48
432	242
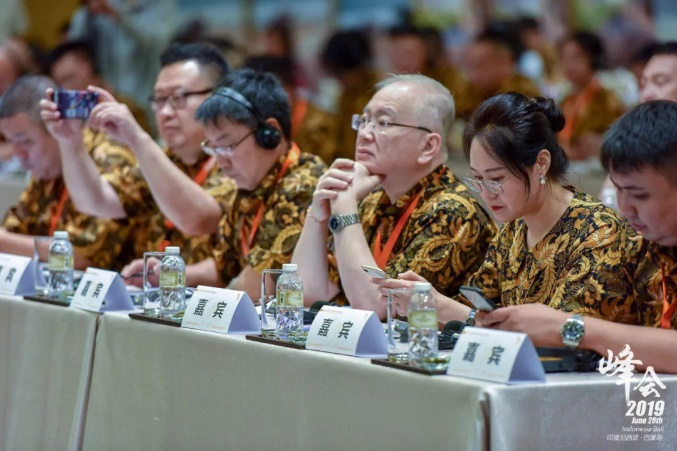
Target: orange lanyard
246	239
573	108
381	255
668	310
200	177
58	211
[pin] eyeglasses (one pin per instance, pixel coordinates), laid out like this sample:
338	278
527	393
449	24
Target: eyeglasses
380	125
222	151
177	101
492	186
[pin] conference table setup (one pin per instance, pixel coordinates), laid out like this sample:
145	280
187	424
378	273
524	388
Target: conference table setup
85	378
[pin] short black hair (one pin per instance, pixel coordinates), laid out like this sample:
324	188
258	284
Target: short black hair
503	34
82	48
262	89
644	136
514	128
645	53
668	48
24	95
207	56
282	67
591	45
346	50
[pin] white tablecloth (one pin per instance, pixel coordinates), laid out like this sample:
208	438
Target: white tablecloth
155	387
45	367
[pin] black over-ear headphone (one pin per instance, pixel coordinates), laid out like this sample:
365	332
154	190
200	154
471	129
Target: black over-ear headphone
266	135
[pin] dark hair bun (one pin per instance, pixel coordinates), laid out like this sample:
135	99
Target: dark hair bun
554	114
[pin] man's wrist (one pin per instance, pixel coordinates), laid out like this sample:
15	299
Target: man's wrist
344	204
141	142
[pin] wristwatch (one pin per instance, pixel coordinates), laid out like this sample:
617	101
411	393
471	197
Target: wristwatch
340	222
573	331
470	320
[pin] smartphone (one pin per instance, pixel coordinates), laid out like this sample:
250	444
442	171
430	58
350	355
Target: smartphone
477	299
74	104
376	273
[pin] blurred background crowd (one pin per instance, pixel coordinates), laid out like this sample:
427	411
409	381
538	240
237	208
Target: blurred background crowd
586	54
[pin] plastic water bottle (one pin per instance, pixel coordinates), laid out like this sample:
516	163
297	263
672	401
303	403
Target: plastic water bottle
60	265
172	282
422	325
289	294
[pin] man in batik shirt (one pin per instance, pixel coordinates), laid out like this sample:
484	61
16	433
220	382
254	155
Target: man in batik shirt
413	212
45	205
157	196
248	125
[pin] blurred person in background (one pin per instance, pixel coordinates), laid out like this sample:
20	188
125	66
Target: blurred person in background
491	65
539	60
326	129
73	65
128	37
413	50
658	81
46	205
16	60
659	77
590	108
639	59
282	67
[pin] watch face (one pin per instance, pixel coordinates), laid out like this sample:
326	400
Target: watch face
334	223
573	331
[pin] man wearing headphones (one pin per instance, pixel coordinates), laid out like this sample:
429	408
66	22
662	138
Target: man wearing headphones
248	124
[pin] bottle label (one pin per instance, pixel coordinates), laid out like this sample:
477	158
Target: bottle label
423	319
290	298
172	279
60	262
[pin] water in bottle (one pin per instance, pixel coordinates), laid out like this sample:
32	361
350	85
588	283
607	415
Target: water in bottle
289	293
60	265
423	346
172	283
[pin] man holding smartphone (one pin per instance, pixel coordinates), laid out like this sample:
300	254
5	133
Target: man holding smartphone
46	205
397	207
158	194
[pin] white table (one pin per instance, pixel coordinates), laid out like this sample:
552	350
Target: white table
156	387
45	368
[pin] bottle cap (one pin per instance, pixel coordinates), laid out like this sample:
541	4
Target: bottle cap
422	286
289	267
61	235
172	250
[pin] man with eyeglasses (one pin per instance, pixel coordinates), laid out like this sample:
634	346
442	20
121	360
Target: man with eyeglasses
158	195
248	124
397	206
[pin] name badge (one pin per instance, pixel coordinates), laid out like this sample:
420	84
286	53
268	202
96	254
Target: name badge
222	311
102	291
347	331
496	356
17	275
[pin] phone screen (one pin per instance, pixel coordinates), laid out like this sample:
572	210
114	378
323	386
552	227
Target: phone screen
376	273
477	299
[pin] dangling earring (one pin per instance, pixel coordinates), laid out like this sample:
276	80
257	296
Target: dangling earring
542	179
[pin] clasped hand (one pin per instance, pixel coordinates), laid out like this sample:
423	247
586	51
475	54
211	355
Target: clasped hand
344	181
